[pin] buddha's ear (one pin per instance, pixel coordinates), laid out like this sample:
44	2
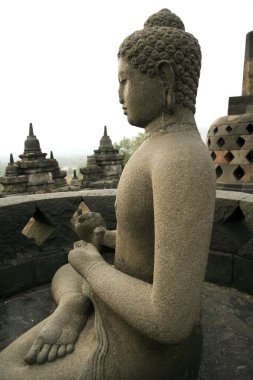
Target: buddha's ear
166	74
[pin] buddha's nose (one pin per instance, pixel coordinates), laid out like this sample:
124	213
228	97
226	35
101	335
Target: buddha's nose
121	99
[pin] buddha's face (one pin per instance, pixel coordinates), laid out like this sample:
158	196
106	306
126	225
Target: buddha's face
141	97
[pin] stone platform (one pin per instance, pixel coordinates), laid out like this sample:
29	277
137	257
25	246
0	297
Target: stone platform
227	321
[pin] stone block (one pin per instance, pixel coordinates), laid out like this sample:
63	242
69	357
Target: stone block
243	274
232	227
230	237
58	213
219	268
247	250
13	218
246	206
224	207
38	230
238	104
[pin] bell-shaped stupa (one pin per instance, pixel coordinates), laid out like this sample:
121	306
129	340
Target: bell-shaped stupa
104	167
230	138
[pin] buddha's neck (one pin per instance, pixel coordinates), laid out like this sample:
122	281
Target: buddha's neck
181	117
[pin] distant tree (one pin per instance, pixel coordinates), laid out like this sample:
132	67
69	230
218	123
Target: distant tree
128	146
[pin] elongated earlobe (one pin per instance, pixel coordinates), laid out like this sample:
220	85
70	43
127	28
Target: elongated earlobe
165	72
170	99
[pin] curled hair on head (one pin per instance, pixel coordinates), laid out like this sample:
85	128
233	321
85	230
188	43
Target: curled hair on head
164	38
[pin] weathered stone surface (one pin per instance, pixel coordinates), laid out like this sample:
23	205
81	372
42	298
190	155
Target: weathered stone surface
243	274
233	227
227	328
246	206
17	277
13	218
46	264
228	334
56	209
247	249
19	313
225	205
219	268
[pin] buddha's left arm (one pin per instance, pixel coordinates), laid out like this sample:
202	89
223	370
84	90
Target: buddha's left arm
167	310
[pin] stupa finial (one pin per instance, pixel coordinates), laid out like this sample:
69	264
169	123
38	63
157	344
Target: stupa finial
31	130
51	155
247	84
11	159
74	174
105	130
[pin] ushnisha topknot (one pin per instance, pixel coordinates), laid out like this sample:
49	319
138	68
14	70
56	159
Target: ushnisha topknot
163	38
164	18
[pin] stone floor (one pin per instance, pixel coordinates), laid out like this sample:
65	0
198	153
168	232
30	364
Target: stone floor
227	320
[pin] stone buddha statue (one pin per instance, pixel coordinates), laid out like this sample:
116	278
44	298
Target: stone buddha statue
141	318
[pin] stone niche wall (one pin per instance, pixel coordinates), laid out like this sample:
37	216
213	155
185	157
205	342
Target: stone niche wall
230	261
25	263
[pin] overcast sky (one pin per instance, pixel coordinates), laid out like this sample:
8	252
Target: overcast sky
58	66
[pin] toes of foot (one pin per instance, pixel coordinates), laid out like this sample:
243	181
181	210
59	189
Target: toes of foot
61	351
69	348
31	357
43	354
52	353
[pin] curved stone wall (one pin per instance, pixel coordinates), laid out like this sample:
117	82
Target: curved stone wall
25	262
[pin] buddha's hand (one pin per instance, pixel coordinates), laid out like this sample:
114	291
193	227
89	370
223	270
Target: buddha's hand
85	224
84	257
99	235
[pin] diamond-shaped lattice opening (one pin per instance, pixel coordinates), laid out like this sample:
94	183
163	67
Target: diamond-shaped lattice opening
208	142
219	171
38	228
238	172
229	156
240	141
228	129
249	156
215	130
250	128
220	142
213	155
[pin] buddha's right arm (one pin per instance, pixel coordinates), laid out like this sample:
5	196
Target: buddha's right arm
108	239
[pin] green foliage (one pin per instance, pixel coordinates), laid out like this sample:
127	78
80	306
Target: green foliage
128	146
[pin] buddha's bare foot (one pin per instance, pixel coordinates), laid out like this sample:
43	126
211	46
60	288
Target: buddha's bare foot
57	338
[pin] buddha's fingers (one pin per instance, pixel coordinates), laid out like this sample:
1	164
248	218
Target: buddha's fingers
43	354
31	357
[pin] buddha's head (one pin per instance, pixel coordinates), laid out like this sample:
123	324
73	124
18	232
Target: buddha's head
163	62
